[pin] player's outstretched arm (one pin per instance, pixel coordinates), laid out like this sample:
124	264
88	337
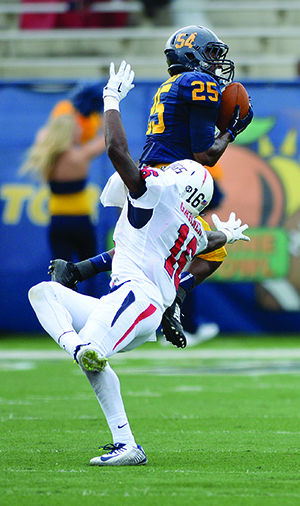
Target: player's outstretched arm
232	228
228	231
69	273
119	84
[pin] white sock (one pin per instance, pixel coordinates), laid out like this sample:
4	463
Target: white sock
106	386
67	341
53	316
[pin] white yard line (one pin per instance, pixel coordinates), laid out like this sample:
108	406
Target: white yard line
163	354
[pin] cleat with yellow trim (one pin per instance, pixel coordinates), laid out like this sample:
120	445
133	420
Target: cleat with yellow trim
89	358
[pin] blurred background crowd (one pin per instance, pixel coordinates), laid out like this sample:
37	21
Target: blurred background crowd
51	49
81	36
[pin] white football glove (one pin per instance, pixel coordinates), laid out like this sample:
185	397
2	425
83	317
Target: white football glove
120	83
233	228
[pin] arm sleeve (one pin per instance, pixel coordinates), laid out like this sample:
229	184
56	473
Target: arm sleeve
101	262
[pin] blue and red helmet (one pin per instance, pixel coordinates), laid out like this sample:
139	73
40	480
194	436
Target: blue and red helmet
198	48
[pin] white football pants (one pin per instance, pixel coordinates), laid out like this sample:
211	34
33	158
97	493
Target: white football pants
119	321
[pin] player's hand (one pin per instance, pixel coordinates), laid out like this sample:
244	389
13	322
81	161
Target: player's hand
120	83
65	273
172	327
232	228
237	125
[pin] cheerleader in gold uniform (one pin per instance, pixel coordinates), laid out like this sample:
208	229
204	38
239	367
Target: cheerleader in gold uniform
61	156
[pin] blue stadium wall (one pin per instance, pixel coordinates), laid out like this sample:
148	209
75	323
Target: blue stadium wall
256	290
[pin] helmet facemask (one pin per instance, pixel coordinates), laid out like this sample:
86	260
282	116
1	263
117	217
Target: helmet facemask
214	61
206	53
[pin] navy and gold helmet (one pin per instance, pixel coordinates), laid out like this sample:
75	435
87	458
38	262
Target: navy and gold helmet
198	48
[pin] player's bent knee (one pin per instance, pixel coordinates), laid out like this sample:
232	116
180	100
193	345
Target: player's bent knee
36	292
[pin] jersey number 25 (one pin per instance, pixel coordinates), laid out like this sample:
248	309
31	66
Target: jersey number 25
200	91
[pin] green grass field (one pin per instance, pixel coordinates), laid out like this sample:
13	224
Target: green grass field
219	424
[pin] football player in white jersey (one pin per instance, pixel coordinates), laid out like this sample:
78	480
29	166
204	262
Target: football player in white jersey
156	235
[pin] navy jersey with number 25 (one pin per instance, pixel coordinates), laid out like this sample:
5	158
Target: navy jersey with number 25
182	118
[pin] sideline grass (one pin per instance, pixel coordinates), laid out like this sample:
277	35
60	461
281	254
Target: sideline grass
211	439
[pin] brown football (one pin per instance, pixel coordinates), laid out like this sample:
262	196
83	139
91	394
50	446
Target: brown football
234	94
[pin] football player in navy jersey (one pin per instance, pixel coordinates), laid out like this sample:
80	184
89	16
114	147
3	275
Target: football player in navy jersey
185	108
181	125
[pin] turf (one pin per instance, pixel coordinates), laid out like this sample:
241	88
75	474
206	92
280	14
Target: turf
218	430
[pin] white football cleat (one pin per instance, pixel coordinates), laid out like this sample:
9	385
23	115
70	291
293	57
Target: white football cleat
89	358
120	454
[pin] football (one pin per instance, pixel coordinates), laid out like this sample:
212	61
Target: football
234	94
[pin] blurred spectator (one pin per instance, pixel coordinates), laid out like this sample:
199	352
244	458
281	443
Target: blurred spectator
152	6
157	12
78	15
38	21
86	103
60	156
